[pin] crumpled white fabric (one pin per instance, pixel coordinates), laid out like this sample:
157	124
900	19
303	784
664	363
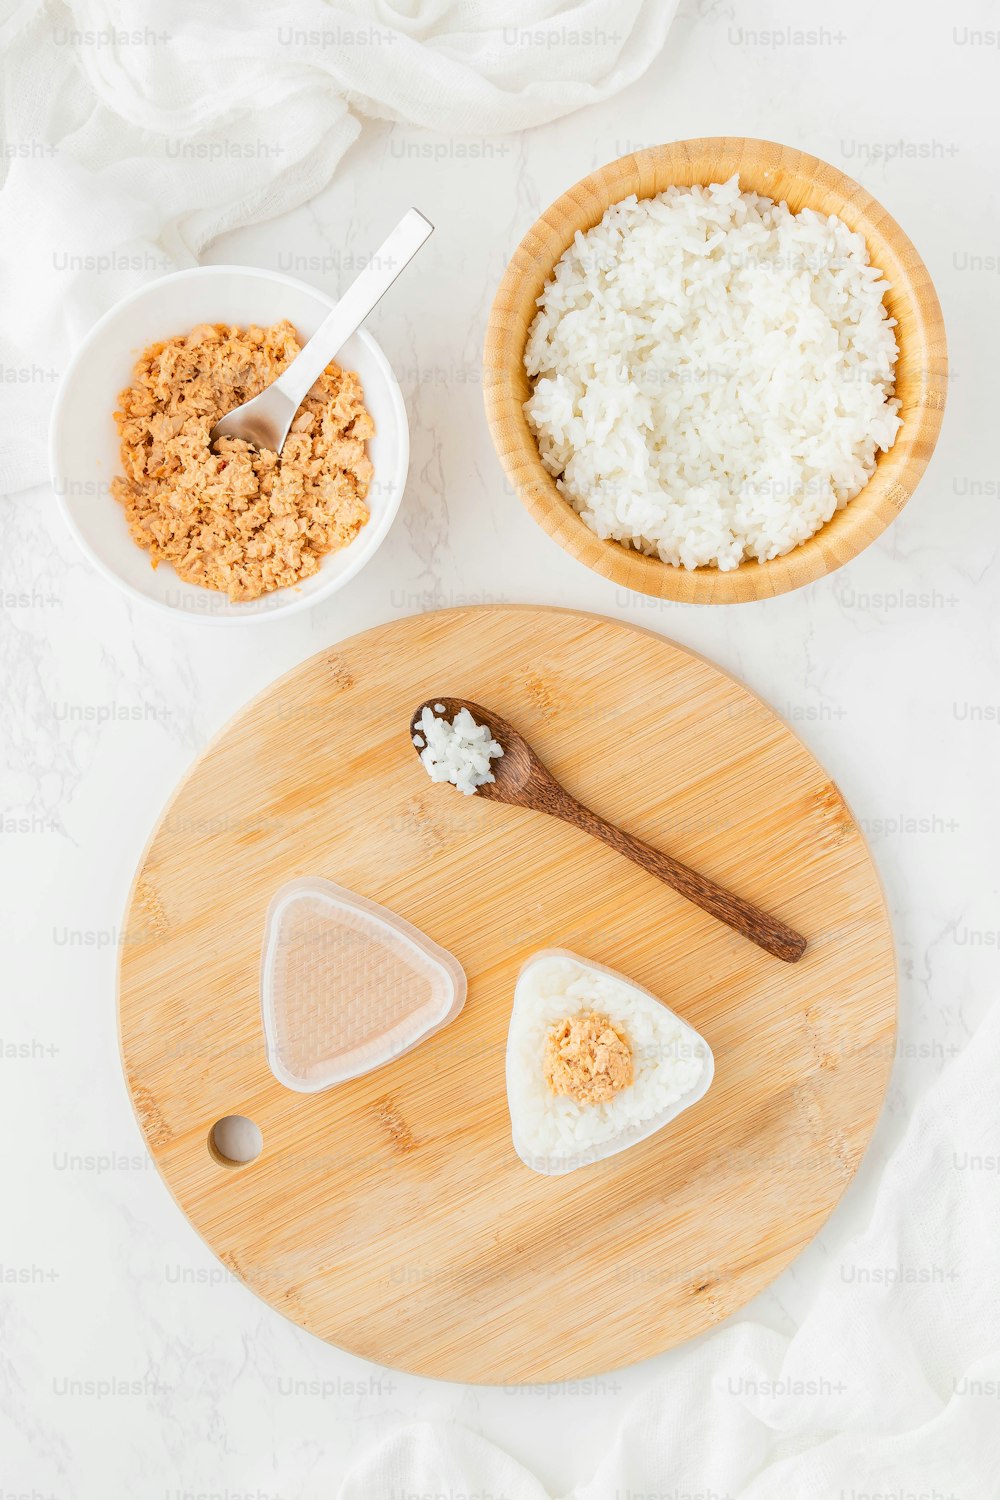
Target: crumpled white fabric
139	130
889	1389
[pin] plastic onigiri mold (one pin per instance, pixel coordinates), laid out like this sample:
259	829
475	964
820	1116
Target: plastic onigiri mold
347	985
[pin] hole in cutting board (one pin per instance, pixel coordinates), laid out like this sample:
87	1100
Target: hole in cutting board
234	1140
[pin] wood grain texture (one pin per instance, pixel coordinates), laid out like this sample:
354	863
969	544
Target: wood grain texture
520	780
391	1214
779	172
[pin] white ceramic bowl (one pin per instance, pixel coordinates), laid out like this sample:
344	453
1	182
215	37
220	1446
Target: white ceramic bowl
83	439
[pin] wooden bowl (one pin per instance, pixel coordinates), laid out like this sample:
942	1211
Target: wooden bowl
802	182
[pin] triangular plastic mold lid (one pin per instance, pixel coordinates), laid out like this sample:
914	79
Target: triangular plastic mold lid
554	984
346	985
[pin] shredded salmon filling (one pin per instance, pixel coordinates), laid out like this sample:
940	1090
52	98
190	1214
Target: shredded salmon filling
242	521
587	1059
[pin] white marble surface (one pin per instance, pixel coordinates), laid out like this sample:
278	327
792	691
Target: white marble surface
888	670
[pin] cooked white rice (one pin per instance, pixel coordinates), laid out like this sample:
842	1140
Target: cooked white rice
713	375
554	1133
457	750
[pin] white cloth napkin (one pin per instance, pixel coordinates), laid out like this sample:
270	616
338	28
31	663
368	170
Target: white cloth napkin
889	1389
138	131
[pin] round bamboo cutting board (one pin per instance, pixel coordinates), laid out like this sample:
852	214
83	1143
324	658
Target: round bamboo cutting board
390	1214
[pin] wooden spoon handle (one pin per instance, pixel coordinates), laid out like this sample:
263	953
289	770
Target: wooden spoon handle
766	931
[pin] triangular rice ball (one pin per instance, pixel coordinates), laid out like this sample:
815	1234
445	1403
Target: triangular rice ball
672	1066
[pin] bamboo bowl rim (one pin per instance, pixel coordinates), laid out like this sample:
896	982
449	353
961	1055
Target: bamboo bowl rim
782	173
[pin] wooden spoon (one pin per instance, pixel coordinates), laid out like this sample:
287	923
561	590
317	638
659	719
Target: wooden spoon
522	781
